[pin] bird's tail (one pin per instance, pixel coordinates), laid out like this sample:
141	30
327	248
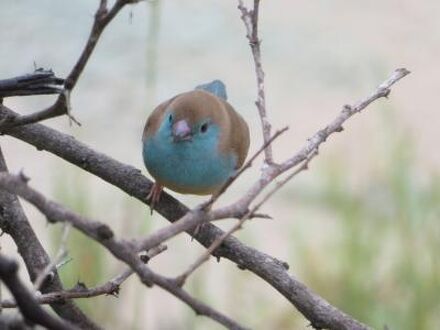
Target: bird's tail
216	87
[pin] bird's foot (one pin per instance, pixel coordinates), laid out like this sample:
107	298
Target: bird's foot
154	195
204	207
197	230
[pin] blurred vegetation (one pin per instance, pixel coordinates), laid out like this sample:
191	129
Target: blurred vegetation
379	262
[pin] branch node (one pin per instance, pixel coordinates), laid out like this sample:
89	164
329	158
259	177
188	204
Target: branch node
347	109
104	232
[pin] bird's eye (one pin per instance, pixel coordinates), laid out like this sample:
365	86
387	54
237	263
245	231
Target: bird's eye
204	128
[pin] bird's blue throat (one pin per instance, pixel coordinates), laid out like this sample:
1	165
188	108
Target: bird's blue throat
194	166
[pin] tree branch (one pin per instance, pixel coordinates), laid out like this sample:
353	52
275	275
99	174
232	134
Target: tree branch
205	256
61	106
123	250
39	82
112	287
29	307
250	20
130	180
14	222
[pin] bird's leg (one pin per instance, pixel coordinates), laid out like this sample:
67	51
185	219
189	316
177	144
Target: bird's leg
204	208
154	195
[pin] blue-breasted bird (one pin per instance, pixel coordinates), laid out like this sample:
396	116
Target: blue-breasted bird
193	142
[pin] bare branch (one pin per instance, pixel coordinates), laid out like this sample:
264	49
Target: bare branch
336	125
111	287
13	221
122	250
130	180
248	164
272	172
62	104
250	20
29	307
237	209
205	256
36	83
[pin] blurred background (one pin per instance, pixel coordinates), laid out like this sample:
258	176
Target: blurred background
361	227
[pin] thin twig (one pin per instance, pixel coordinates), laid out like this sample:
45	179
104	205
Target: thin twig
14	222
383	90
269	268
61	254
29	307
248	164
111	287
250	20
181	279
123	250
62	106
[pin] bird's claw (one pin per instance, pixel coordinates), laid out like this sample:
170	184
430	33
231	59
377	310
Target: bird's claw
154	195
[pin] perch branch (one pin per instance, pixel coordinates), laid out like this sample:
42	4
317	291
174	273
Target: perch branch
131	181
195	218
121	249
318	311
211	249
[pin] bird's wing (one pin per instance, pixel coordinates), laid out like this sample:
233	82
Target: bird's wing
239	139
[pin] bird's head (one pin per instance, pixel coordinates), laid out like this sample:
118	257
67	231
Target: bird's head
185	129
193	119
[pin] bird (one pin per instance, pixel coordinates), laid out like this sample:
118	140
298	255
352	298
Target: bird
194	142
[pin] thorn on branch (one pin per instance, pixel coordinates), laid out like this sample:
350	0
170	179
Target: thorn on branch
79	287
115	291
23	177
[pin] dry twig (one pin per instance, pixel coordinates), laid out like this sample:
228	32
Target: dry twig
270	269
29	307
123	250
250	20
61	106
111	287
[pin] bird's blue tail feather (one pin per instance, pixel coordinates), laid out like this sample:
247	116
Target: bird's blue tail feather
216	87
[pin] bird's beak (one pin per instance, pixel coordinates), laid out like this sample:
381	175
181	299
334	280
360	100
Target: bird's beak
181	131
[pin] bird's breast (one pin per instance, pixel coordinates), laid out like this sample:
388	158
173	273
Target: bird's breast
189	167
